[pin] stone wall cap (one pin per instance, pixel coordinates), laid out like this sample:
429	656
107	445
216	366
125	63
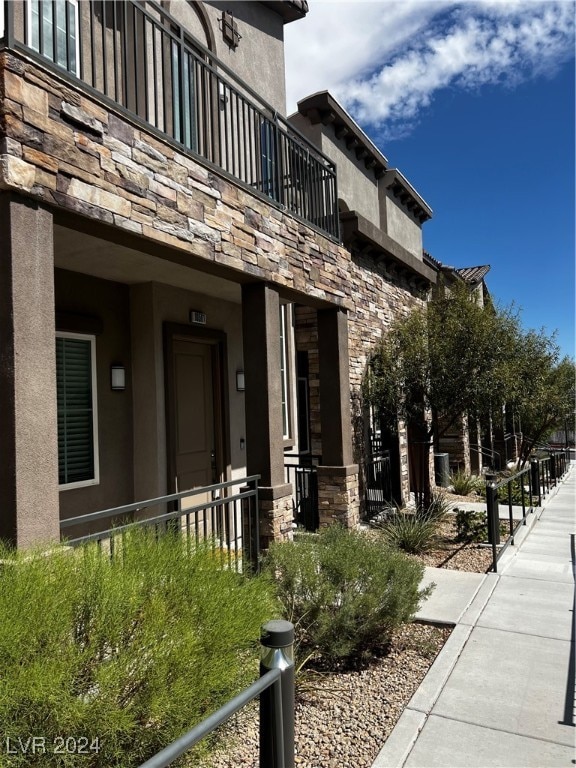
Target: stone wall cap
350	469
271	493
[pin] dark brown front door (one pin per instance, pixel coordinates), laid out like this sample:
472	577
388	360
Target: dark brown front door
195	448
195	412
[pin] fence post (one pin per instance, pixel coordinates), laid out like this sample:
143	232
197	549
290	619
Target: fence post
277	703
553	473
493	520
535	479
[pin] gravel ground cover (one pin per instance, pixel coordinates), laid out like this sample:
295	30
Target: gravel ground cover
456	555
343	719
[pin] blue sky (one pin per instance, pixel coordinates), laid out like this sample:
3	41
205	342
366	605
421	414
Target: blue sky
474	103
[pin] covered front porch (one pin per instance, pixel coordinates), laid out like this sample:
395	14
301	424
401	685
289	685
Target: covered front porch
211	380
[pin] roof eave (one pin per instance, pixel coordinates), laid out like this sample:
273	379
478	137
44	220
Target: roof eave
401	188
322	107
290	10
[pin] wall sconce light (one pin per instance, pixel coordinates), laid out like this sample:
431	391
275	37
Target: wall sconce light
240	383
118	377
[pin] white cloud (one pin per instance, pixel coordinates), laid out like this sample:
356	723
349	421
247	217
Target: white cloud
339	39
385	60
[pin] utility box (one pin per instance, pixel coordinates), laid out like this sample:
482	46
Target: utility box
442	469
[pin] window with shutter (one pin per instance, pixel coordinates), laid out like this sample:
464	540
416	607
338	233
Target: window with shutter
77	425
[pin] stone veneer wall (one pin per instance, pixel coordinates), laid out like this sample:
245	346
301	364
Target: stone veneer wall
338	499
276	518
379	297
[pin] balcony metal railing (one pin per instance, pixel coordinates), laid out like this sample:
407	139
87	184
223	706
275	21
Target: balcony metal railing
377	484
143	61
301	470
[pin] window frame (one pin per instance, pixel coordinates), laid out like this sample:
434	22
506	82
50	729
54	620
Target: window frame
95	480
286	365
75	5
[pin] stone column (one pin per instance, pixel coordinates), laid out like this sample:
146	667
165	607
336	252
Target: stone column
263	407
29	502
338	476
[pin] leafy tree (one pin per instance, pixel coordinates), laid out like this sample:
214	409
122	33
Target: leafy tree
448	358
455	357
544	392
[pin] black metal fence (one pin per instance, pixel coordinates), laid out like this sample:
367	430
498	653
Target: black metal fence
525	489
276	690
302	472
377	484
142	60
225	515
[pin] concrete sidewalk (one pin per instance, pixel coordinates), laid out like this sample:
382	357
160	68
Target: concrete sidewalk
501	691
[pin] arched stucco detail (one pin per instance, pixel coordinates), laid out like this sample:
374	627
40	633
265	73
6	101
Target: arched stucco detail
180	9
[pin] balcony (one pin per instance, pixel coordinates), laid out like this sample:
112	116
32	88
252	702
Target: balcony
141	62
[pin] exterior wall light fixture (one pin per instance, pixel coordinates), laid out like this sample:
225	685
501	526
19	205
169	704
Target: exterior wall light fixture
118	378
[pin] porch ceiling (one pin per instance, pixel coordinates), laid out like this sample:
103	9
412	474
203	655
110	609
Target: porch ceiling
81	252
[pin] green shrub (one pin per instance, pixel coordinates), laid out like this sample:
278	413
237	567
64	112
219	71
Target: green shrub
437	509
126	653
410	532
345	591
516	492
415	532
471	525
463	484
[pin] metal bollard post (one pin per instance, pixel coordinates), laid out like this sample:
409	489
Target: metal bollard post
493	520
277	711
535	479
